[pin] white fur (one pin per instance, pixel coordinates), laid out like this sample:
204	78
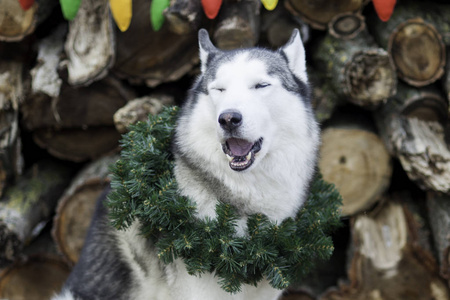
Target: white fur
296	54
176	283
148	279
277	180
64	295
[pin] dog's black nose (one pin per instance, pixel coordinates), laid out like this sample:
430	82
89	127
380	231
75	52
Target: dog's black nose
230	119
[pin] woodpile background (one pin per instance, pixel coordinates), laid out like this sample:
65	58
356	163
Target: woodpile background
381	92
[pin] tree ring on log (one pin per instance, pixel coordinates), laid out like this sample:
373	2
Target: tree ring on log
370	77
426	107
318	13
346	26
357	162
418	52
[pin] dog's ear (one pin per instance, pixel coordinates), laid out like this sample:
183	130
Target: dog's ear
295	54
206	48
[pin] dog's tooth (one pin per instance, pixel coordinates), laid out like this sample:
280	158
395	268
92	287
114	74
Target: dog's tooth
230	158
249	156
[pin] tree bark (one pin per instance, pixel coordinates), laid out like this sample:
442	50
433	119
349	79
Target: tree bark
139	109
90	44
319	13
238	24
145	56
324	100
387	263
37	278
413	38
357	69
73	108
28	203
78	145
439	216
11	92
357	162
78	124
184	16
411	125
45	79
76	207
278	25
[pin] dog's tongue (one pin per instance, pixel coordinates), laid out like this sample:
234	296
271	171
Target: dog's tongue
239	147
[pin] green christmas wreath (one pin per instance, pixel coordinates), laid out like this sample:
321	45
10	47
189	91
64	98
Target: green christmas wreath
144	188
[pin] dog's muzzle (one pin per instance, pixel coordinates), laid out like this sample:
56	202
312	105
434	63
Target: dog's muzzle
241	153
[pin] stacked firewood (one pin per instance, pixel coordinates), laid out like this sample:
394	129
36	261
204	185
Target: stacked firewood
381	93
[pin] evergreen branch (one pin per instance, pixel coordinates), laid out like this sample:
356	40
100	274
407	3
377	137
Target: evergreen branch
145	188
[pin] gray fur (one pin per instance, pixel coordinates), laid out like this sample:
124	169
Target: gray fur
101	272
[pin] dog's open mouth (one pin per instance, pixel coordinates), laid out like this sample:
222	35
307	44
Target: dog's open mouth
241	153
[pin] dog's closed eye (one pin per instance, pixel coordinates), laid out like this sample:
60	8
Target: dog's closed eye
261	85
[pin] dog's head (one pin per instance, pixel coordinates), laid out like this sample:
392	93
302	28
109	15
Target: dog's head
256	100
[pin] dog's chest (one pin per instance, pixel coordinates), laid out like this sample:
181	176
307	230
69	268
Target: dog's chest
250	193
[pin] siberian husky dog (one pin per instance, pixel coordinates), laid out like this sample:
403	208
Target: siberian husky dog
246	135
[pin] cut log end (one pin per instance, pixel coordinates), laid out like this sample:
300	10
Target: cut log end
426	107
370	78
319	13
418	52
357	162
15	23
73	218
346	25
37	278
77	205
